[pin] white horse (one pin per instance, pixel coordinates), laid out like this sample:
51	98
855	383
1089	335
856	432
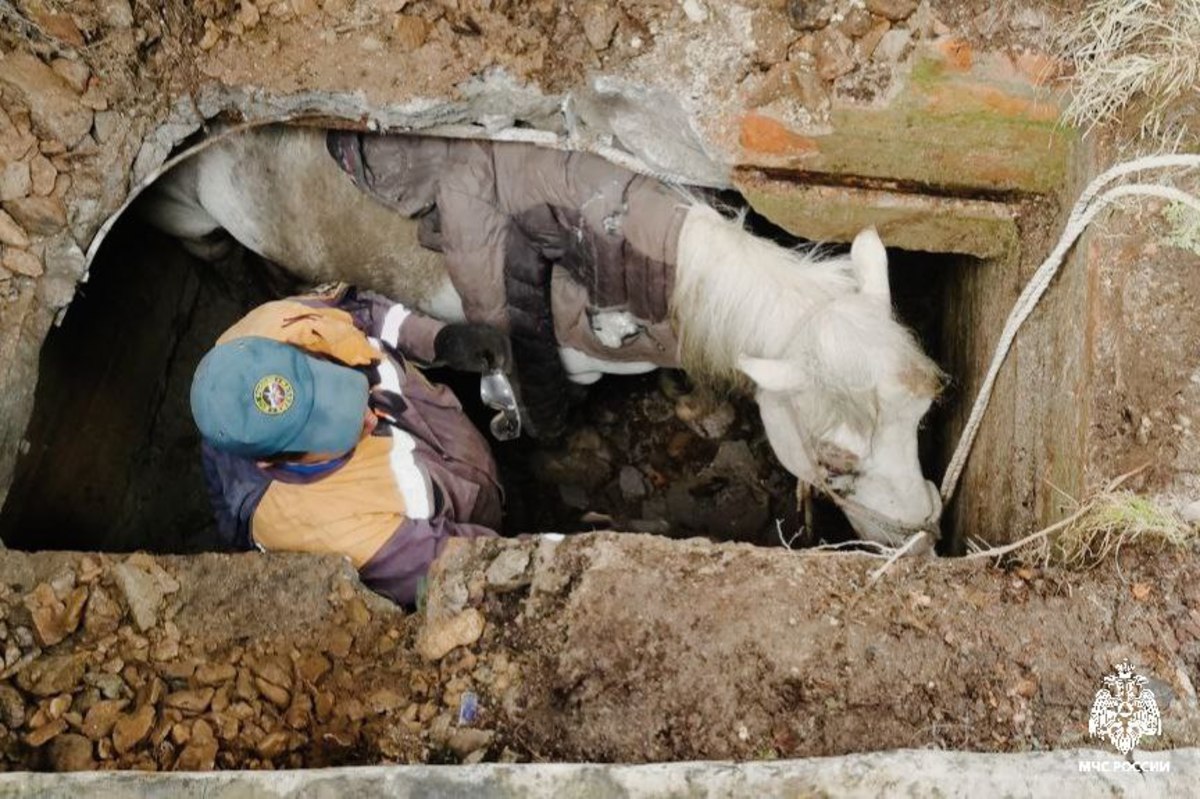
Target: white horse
841	385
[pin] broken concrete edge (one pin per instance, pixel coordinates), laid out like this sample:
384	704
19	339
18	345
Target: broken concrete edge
979	228
905	772
974	122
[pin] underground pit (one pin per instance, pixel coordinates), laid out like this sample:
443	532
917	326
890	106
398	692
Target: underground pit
110	460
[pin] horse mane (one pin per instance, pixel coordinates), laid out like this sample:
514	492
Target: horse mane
847	349
738	294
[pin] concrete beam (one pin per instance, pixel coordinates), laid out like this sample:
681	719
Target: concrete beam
921	222
911	772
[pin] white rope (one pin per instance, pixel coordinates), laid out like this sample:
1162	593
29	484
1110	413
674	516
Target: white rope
1090	203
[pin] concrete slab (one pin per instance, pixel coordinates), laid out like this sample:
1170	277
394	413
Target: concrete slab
894	774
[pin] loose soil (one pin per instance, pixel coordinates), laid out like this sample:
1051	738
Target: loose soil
603	647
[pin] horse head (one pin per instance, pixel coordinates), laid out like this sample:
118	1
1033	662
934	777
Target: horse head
843	400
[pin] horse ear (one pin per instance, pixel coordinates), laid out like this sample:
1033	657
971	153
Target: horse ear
772	374
870	260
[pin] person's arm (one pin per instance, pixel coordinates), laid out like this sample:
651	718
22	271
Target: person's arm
235	487
464	346
397	569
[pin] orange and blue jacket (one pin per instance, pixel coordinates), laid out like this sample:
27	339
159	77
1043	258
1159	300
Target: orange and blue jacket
424	476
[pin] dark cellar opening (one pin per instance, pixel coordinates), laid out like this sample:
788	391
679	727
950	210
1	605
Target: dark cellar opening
110	459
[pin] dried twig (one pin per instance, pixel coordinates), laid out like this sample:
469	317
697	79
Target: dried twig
912	541
1084	508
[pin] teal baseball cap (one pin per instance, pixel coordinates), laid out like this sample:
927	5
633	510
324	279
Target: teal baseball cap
256	397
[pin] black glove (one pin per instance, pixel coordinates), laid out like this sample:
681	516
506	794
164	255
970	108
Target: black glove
470	347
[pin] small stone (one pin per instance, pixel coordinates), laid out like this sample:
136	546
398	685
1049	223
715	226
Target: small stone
100	718
51	675
130	730
151	691
273	672
894	10
313	666
507	571
599	24
181	733
117	13
323	705
109	124
711	421
463	741
53	106
384	700
771	38
15	181
110	685
208	674
101	615
248	15
244	688
227	726
809	15
144	585
357	614
194	700
632	484
222	698
59	705
298	713
178	670
1191	512
12	707
438	637
892	46
856	22
212	35
833	54
305	7
46	732
71	752
870	40
273	745
11	233
42	216
409	32
166	649
273	693
198	756
75	73
338	643
95	98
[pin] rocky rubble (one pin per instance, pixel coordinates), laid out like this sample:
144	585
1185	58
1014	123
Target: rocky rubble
103	668
659	456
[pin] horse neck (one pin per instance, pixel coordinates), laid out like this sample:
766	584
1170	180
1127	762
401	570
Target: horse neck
736	294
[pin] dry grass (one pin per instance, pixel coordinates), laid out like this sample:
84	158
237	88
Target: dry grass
1114	520
1138	58
1100	527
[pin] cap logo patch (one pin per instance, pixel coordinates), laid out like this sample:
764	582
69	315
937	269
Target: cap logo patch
274	395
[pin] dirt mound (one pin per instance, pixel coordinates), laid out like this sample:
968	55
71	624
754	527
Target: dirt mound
606	647
217	661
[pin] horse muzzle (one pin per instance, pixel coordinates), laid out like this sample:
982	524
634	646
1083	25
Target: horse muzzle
874	525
